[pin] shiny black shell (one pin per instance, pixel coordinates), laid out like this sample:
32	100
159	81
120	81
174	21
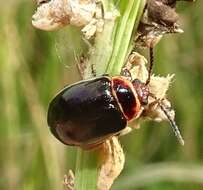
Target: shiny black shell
86	113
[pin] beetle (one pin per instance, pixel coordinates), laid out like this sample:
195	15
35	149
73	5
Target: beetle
87	113
90	111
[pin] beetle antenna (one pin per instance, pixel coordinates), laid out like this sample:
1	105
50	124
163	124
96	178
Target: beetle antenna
171	120
151	63
172	123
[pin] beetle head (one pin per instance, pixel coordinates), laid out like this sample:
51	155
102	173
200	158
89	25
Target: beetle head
142	91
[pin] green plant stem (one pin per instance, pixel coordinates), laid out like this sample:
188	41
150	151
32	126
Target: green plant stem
86	169
126	26
108	56
103	46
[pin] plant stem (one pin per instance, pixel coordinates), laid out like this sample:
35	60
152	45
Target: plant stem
127	23
103	47
108	56
86	169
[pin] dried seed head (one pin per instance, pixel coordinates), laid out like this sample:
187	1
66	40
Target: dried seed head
88	14
54	14
158	86
161	13
159	18
112	163
149	35
51	15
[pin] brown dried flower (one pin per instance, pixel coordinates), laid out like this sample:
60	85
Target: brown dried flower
112	163
55	14
159	18
158	86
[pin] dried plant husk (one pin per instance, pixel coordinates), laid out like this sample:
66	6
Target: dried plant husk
86	14
112	163
159	18
158	86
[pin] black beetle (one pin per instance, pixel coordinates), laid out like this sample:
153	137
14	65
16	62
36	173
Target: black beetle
90	111
87	113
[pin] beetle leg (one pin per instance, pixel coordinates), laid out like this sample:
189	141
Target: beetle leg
151	63
81	65
128	66
93	70
126	73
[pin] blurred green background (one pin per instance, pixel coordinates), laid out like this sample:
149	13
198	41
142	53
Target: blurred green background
34	65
